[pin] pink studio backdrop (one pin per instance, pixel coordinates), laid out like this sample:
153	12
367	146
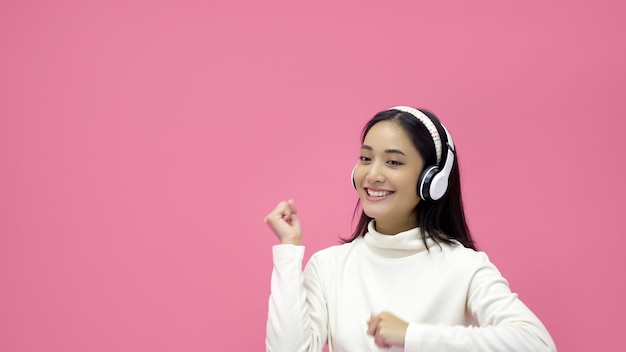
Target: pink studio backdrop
142	143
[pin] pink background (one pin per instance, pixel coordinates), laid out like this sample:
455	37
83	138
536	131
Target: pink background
142	143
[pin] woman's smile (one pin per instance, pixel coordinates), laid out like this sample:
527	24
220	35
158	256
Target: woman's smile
377	195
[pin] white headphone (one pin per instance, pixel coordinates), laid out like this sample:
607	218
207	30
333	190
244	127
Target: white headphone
433	182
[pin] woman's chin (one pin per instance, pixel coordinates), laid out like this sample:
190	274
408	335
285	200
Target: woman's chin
372	213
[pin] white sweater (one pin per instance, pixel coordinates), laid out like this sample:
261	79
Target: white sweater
454	298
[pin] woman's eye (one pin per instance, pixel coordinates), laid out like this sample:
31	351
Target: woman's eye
364	159
395	163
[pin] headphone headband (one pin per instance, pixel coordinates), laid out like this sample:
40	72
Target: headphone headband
428	123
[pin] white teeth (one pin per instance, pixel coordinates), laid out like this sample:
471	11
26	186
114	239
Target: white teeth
378	193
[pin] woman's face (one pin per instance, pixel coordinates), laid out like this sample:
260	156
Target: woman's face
386	177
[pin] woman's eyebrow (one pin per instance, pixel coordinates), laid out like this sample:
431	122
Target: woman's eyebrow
389	151
394	151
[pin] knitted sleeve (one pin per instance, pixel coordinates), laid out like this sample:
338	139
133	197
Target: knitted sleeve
297	316
504	322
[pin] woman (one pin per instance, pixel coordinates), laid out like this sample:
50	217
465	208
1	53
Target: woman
409	278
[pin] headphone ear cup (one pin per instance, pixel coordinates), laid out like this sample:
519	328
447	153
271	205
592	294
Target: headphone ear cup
352	178
425	180
439	183
438	186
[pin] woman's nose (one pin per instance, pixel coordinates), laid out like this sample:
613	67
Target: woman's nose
375	173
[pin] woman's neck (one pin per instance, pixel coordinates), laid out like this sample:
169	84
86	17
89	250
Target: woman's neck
394	227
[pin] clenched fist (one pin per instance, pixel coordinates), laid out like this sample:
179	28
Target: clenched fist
387	329
283	220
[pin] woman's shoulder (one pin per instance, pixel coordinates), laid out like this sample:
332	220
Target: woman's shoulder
457	252
336	252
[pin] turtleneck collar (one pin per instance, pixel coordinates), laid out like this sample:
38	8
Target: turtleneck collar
395	246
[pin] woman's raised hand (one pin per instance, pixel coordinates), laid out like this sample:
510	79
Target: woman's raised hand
283	220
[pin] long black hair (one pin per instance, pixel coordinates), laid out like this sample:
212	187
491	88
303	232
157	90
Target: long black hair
442	220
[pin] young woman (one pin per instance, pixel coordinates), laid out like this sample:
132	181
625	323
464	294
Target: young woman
409	278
